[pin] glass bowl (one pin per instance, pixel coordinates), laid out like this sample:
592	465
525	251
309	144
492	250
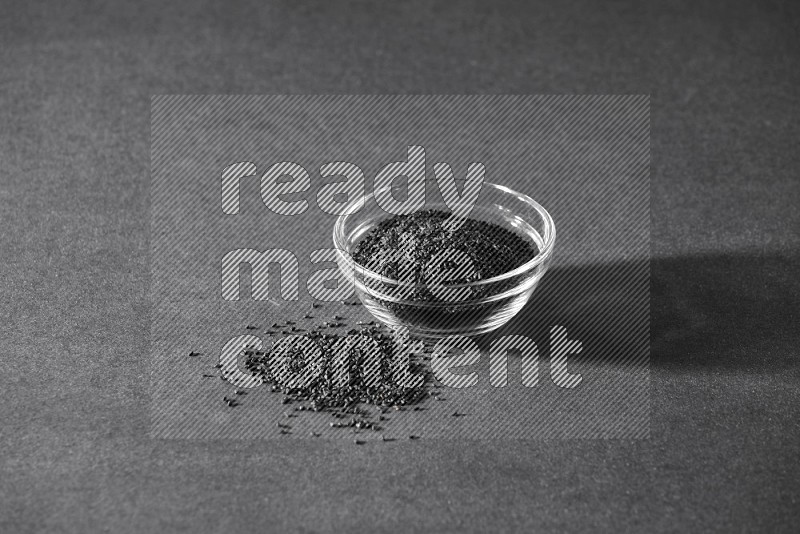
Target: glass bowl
502	296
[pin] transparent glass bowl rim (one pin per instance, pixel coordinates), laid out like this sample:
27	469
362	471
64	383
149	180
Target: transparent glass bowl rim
352	208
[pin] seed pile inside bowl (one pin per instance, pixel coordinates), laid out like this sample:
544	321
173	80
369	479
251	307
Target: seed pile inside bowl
404	248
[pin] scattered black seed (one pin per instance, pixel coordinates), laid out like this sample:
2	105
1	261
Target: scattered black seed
412	436
206	375
323	395
315	305
251	327
289	322
358	442
193	354
308	316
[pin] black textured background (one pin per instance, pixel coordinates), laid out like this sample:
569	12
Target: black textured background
75	86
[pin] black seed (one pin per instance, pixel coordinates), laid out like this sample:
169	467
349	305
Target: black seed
206	375
251	327
342	399
193	354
